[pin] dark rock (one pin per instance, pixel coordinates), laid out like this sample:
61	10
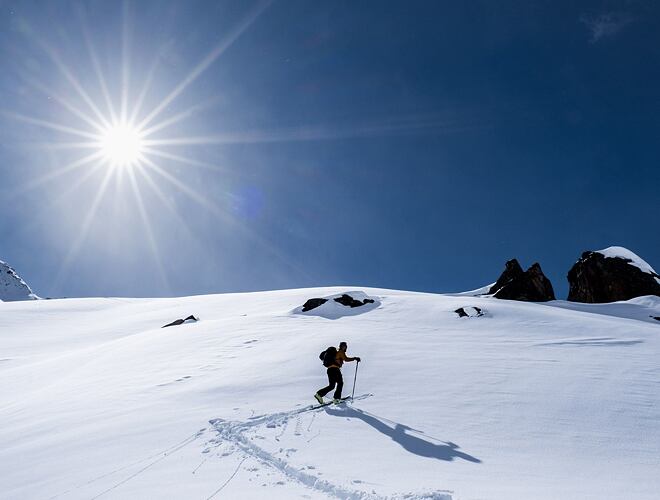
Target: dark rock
516	284
596	278
347	300
512	271
462	313
177	322
344	300
313	304
657	318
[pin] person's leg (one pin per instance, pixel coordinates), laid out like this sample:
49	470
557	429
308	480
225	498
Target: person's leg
331	383
340	384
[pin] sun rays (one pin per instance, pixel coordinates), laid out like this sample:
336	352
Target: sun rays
112	128
118	133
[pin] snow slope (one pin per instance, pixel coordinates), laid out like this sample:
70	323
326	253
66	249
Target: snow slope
12	286
528	401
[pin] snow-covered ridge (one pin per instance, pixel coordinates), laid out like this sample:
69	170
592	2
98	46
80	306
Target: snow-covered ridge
477	291
12	286
635	260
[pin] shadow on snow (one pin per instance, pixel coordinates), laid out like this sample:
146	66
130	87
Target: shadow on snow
443	450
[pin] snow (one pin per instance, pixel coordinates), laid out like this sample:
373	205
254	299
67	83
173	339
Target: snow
635	260
534	401
477	291
639	308
12	286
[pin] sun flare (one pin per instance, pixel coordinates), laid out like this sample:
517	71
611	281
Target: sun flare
110	124
122	145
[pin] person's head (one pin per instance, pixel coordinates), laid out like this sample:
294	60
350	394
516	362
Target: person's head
343	346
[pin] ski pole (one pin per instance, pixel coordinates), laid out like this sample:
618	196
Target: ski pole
354	379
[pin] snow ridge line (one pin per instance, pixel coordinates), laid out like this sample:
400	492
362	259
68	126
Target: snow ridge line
233	432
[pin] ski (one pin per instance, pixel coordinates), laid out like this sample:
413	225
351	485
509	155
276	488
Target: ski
331	403
343	400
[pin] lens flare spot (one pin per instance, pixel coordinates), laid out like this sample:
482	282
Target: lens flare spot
122	145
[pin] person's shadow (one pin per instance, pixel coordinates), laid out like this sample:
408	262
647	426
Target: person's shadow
443	450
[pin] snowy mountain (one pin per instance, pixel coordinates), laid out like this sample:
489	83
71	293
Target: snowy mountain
12	286
523	401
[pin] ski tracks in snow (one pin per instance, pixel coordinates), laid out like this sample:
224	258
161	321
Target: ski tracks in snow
151	459
234	433
233	436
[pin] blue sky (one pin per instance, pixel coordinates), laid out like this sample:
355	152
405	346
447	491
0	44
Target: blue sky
410	145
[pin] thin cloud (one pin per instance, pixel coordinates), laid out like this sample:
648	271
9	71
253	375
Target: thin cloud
605	25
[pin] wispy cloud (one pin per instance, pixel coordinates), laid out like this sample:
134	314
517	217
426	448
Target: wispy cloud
605	25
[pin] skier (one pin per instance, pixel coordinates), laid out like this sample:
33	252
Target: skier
334	372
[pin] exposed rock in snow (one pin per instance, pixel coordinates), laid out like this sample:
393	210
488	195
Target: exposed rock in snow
610	275
348	301
469	312
516	284
12	286
180	321
313	304
345	300
342	304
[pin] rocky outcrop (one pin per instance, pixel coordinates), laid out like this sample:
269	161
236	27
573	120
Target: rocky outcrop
469	312
12	286
180	321
313	304
603	277
512	271
516	284
345	300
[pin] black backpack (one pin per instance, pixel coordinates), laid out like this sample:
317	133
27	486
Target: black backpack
329	356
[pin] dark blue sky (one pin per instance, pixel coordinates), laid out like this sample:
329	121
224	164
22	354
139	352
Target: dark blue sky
410	145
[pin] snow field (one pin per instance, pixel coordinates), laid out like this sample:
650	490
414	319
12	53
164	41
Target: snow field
528	401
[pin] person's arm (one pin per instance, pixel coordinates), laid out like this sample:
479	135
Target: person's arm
356	358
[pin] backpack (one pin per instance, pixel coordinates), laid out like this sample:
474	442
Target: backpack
328	356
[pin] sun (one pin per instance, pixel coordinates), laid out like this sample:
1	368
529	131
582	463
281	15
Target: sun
122	145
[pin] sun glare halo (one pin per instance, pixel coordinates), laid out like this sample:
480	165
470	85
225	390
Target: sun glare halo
122	145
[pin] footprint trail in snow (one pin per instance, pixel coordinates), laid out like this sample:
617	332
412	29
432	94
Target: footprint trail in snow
243	434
